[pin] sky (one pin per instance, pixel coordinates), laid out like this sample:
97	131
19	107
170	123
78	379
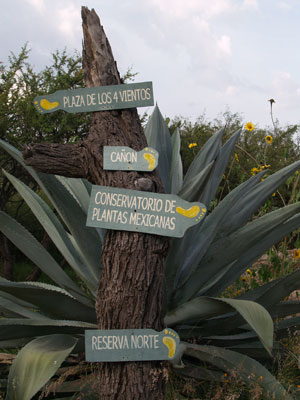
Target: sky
204	57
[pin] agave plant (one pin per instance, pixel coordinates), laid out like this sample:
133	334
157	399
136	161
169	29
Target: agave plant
226	333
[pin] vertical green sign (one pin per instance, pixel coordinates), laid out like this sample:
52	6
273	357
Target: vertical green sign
132	210
130	345
101	98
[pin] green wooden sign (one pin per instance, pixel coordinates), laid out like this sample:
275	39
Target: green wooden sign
130	345
122	158
132	210
101	98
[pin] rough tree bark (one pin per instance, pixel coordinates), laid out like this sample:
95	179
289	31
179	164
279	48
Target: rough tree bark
130	288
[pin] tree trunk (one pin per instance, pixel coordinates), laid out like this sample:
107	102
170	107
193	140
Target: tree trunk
130	286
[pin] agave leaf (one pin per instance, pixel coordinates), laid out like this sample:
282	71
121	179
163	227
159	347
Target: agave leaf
17	335
68	208
87	185
286	327
176	173
219	168
13	298
46	297
284	309
191	190
194	371
247	205
279	289
55	230
236	215
255	293
45	322
255	350
78	190
247	258
19	310
185	254
158	137
14	343
198	308
205	156
36	363
75	218
22	328
65	398
268	295
81	191
230	340
17	155
206	196
204	307
244	366
236	244
86	385
38	255
189	331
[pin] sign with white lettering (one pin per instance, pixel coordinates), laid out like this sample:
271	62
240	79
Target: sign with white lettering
132	210
130	345
101	98
122	158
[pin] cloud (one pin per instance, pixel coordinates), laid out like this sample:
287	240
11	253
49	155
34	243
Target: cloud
283	83
188	8
200	24
68	21
229	92
284	5
38	5
224	45
285	90
250	4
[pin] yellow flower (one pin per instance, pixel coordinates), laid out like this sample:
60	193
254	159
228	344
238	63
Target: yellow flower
269	139
192	145
259	169
244	279
254	171
249	272
249	126
296	254
274	194
236	157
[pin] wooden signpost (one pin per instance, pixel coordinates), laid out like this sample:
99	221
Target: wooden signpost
122	158
129	295
100	98
130	345
132	210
